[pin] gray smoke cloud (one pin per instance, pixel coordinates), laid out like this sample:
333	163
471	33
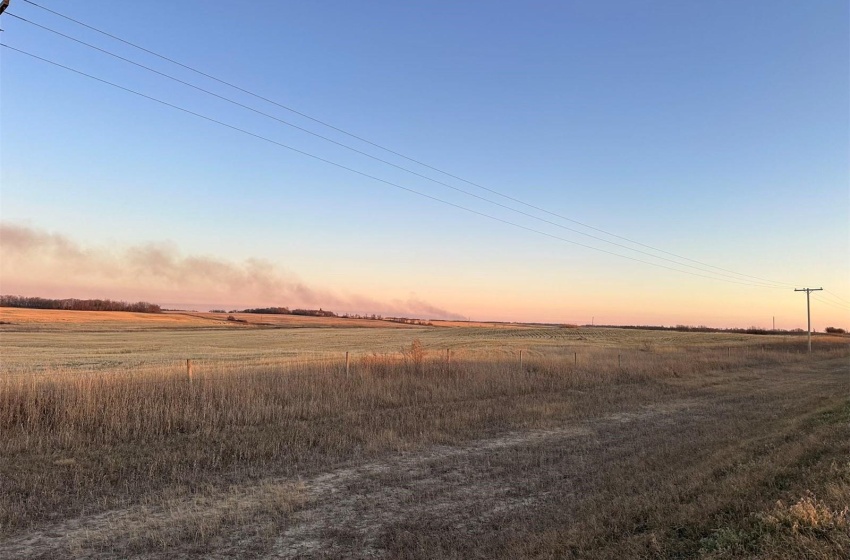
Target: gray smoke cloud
34	260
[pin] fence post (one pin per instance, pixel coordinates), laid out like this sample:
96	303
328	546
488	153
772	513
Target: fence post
448	356
520	360
575	358
189	370
347	364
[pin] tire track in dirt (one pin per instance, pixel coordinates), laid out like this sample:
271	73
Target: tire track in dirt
353	497
347	509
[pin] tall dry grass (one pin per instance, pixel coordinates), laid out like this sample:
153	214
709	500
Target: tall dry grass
65	411
75	443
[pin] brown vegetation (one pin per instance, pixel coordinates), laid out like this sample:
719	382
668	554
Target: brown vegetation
56	320
181	464
20	319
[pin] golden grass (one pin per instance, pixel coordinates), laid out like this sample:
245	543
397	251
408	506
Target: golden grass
809	515
59	320
55	319
257	415
82	439
59	347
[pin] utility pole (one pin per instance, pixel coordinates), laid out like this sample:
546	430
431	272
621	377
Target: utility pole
809	310
3	5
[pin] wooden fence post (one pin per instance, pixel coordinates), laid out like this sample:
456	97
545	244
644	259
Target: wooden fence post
347	364
575	358
520	360
448	356
189	370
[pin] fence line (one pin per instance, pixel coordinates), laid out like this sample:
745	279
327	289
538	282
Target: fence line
342	361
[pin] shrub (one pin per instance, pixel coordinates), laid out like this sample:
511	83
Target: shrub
415	354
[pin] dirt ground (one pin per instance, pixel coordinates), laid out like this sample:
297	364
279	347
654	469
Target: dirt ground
649	477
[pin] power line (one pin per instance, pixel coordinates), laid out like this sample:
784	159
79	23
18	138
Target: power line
418	162
828	297
833	304
837	296
367	175
561	226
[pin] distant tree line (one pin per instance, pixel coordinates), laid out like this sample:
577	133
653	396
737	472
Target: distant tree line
322	313
73	304
264	310
286	311
408	321
702	328
372	317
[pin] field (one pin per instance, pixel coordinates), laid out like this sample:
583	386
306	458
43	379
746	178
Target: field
452	441
44	320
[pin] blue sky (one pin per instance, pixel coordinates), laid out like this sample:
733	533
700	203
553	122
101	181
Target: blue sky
717	131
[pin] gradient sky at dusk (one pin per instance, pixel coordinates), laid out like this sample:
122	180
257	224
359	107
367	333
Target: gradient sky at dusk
713	130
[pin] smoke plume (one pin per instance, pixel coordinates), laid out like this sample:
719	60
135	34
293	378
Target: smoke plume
39	263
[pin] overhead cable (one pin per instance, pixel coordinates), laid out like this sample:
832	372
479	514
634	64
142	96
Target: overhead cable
369	176
257	111
396	153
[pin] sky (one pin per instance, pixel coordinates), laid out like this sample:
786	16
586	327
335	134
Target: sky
716	132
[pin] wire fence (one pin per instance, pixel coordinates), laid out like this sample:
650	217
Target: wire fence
195	370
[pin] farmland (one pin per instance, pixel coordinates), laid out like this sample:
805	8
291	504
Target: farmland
456	440
35	340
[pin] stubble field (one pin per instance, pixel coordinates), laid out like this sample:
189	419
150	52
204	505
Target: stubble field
451	441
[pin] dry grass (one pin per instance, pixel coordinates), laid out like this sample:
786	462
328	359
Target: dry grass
54	320
85	441
201	522
124	346
812	520
693	494
19	319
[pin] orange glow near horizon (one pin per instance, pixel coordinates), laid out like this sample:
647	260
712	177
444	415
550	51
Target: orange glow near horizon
35	263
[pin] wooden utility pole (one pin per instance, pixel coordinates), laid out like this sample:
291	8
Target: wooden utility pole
809	311
3	5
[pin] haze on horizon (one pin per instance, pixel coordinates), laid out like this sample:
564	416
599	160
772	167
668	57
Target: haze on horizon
712	132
